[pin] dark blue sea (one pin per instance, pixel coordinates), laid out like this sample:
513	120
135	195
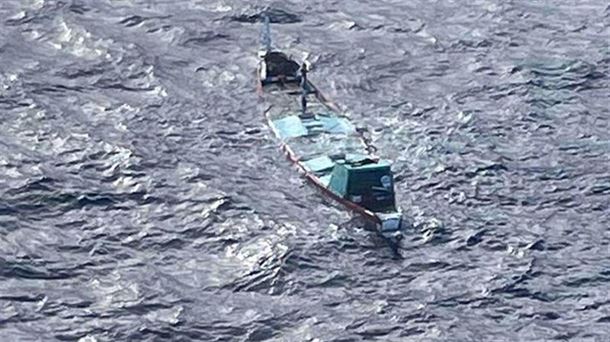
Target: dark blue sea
143	197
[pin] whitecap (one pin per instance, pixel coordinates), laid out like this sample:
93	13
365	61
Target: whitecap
18	16
170	315
34	4
77	41
87	338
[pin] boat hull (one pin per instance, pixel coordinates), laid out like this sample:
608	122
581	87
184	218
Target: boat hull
269	94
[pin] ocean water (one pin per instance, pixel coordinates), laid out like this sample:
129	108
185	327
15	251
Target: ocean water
143	198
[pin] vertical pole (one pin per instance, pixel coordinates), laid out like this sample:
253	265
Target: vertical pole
304	88
266	34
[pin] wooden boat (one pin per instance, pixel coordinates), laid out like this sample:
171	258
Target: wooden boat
324	145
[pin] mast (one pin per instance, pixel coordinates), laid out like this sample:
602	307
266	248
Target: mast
266	34
304	89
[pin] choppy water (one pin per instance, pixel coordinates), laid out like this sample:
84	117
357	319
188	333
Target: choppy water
142	198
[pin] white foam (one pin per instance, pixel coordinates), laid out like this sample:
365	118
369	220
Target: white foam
169	315
77	41
217	6
87	338
34	4
18	16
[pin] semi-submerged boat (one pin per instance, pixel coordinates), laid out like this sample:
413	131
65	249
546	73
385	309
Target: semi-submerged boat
324	145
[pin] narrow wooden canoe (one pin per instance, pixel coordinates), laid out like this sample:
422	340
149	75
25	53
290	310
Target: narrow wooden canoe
325	146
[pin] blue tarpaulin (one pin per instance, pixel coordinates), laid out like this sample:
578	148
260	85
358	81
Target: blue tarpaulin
289	127
319	164
293	126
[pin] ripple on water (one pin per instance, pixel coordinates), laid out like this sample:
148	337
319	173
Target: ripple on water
143	198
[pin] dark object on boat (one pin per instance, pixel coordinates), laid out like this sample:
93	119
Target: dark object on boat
278	64
324	144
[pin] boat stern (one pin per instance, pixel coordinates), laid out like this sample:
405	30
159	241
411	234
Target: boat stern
391	225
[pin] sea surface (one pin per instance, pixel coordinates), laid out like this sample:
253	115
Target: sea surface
143	198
